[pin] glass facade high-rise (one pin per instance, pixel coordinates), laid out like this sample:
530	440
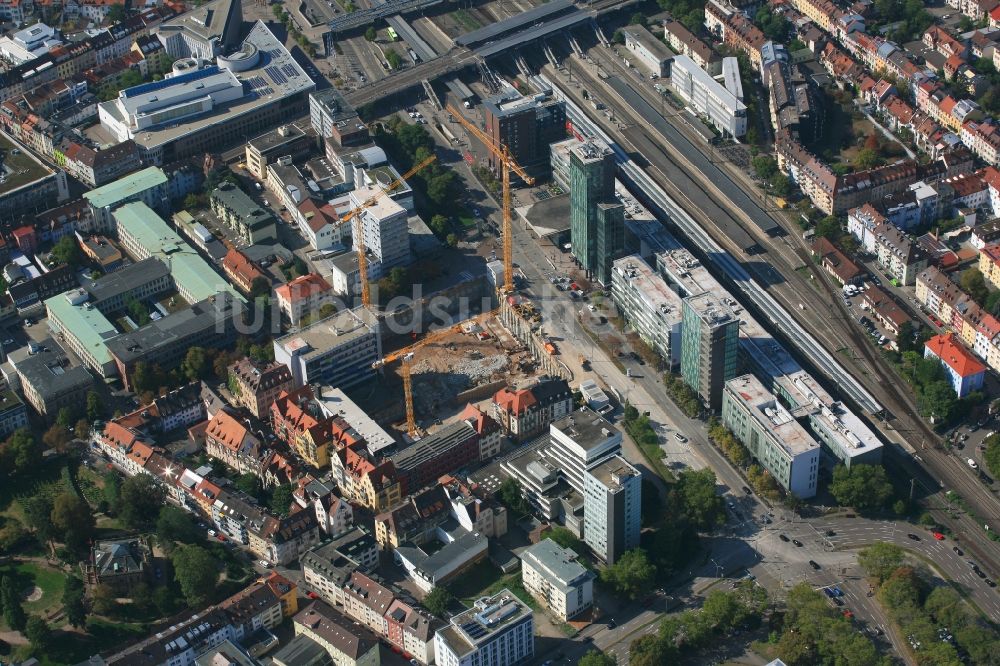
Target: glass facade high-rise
709	346
597	220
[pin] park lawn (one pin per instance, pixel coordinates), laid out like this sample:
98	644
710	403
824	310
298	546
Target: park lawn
71	647
485	579
46	481
28	574
466	218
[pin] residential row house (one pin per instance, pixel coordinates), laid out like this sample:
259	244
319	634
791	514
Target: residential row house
978	330
256	386
364	480
298	420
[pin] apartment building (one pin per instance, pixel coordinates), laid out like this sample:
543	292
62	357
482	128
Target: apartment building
256	386
709	345
365	481
682	41
13	413
901	258
328	567
252	222
498	630
964	371
441	452
772	435
553	576
333	118
284	141
345	643
305	295
229	440
49	382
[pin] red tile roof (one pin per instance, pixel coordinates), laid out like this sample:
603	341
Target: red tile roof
955	355
516	402
302	288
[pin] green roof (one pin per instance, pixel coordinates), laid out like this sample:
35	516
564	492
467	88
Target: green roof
123	188
87	325
194	277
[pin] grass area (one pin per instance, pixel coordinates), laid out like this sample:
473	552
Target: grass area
466	20
23	169
28	575
47	481
485	579
102	636
91	485
466	219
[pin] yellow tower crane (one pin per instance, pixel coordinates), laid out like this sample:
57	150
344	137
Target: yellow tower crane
405	356
358	232
507	164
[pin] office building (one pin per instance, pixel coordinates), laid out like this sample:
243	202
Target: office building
456	551
49	382
554	577
709	346
285	141
439	453
551	470
526	125
384	230
210	323
205	105
338	350
651	51
597	219
333	118
207	31
612	495
148	186
496	631
249	220
333	402
707	97
328	567
649	306
772	435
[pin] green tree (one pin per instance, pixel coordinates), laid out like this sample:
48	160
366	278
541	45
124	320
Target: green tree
67	251
73	602
326	310
22	452
699	501
828	227
65	417
176	525
511	495
937	401
863	487
638	19
196	571
195	365
73	520
260	286
38	633
10	598
596	658
371	34
764	166
880	559
866	159
103	600
281	499
116	13
438	600
81	430
56	438
112	490
781	185
452	240
566	539
992	454
631	576
141	499
137	311
647	651
392	57
974	284
38	514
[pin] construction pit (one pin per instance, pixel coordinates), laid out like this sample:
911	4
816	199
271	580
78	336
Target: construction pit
463	366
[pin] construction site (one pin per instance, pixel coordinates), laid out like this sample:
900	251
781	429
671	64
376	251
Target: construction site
453	366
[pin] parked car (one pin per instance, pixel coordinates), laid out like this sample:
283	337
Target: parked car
680	438
783	538
913	537
972	463
958	551
798	544
938	536
814	565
